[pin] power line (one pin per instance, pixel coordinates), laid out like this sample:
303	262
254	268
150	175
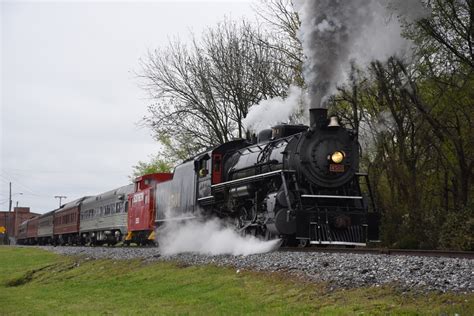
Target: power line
19	171
18	182
10	197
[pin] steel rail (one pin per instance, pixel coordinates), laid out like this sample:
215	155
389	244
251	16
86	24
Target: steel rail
386	251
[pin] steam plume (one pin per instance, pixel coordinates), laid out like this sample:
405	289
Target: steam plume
335	32
211	237
276	110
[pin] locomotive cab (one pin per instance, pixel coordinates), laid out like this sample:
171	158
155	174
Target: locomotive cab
210	167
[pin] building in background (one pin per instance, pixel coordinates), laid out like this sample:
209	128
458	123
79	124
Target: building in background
9	222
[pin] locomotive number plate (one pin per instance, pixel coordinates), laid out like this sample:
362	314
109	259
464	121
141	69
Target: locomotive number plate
336	168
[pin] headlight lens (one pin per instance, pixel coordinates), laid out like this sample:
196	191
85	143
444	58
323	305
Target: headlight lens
337	157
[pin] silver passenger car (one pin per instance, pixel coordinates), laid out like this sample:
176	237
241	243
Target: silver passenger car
104	216
45	228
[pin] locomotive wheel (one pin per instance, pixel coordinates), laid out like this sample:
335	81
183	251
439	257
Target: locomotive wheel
303	243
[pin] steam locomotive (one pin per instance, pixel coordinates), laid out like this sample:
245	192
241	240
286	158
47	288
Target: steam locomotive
294	182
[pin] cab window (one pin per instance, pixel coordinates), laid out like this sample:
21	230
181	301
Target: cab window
204	167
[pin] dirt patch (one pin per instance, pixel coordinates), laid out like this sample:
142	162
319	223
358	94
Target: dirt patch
30	275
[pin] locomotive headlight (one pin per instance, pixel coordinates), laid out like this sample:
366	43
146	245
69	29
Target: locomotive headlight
337	157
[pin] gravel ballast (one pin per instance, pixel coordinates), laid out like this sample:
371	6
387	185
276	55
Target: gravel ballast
340	270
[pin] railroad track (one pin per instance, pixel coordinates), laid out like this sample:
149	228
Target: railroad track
386	251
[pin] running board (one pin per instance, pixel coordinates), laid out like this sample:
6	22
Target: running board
174	219
331	197
209	197
337	243
257	177
207	200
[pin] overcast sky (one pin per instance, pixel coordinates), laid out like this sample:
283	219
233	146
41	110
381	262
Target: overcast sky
70	100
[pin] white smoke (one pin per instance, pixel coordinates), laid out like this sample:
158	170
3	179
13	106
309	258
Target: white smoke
211	237
276	110
409	10
370	130
336	32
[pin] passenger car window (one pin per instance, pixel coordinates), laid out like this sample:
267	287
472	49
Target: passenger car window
118	207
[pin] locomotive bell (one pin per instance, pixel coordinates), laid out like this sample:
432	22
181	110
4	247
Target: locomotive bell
334	122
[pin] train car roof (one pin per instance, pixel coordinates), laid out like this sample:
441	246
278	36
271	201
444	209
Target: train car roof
126	189
31	219
72	204
47	214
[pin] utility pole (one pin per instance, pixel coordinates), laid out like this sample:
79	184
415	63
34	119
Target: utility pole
60	197
10	201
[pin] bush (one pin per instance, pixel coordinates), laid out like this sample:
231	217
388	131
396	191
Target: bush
456	231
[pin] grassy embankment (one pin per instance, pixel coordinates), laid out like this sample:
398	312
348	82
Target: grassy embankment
35	282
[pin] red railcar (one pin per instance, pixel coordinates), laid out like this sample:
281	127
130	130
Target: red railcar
32	231
141	208
66	223
21	232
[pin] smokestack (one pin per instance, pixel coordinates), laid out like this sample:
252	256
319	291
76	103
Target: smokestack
318	117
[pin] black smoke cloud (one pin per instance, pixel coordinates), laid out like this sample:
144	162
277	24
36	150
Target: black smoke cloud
335	32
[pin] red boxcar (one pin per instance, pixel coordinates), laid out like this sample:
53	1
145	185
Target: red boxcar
141	208
66	223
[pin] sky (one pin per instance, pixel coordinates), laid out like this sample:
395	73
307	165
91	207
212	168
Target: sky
70	99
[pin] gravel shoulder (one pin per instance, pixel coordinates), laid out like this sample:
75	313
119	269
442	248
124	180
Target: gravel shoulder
338	270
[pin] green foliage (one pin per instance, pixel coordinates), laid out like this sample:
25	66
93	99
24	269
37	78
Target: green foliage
415	121
457	230
179	150
417	148
155	165
35	282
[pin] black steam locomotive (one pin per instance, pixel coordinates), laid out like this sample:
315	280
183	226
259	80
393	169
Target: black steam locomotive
296	182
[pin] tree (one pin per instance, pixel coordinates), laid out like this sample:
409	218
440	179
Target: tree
447	34
396	145
283	22
155	165
204	91
445	97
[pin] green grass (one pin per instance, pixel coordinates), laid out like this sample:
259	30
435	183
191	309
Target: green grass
36	282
